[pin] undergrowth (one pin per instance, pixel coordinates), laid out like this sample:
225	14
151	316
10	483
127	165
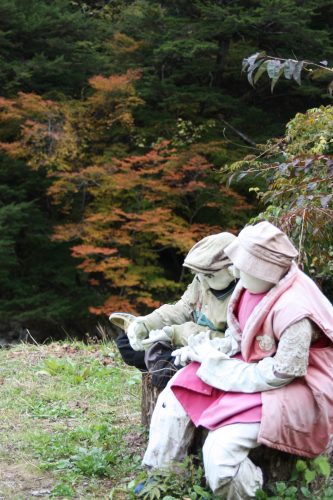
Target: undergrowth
73	412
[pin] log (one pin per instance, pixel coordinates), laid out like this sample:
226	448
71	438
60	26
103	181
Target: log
149	397
276	465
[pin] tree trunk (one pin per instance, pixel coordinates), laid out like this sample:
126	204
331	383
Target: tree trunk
148	399
276	465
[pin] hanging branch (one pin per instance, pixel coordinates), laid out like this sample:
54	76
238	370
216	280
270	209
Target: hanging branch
260	63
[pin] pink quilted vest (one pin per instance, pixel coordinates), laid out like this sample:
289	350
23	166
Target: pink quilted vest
297	418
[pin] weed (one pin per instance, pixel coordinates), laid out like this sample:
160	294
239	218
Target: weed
50	410
63	490
182	480
308	480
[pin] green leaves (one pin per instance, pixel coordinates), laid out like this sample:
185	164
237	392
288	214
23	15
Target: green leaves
73	50
301	465
322	465
180	481
295	175
306	482
309	476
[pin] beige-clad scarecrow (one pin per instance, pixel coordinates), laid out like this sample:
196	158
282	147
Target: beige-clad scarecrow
151	339
203	306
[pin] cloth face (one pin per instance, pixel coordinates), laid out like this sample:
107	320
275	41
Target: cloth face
254	285
219	280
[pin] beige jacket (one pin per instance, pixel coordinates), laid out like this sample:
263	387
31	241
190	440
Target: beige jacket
199	309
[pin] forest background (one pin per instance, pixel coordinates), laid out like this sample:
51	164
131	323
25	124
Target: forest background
116	118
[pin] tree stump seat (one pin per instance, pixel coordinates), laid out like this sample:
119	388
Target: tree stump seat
149	397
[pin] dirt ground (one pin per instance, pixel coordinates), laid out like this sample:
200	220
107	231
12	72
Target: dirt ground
22	481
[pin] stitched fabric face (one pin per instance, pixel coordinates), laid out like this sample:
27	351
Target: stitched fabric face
219	280
254	285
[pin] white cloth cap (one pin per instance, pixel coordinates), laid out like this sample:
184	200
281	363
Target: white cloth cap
207	256
263	251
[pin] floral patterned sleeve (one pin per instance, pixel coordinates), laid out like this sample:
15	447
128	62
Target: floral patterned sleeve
292	355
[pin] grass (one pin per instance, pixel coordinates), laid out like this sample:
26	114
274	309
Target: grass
69	422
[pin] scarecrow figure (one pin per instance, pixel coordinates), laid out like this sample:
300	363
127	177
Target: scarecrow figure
151	339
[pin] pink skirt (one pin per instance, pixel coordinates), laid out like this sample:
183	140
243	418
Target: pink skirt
210	407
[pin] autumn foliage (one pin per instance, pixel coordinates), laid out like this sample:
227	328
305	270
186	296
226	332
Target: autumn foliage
127	215
297	171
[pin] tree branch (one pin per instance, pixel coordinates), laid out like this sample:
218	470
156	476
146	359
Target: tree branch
238	132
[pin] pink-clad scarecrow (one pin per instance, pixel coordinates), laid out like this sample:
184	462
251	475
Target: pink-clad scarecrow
269	381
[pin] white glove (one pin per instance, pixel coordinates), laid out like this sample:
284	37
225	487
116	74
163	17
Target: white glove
203	347
156	335
183	355
229	344
235	375
136	332
199	347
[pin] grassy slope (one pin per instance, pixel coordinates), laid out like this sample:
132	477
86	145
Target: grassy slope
69	422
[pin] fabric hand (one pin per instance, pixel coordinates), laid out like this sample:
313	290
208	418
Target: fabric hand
203	347
183	356
229	344
199	348
136	332
155	336
222	345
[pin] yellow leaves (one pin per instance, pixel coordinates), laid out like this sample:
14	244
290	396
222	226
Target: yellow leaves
133	212
26	106
67	232
83	250
126	211
44	133
9	110
128	280
148	302
57	136
124	44
36	105
113	100
115	83
13	149
125	180
107	266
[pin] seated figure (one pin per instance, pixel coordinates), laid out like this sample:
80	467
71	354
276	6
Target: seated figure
203	307
269	381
